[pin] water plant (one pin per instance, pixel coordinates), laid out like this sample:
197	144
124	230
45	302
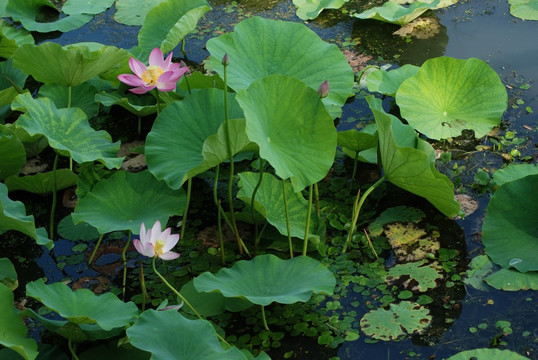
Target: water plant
269	94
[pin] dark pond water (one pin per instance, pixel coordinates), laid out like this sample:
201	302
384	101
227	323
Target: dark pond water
474	28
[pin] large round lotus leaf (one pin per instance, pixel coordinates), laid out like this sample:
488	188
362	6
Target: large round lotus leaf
410	167
12	327
66	66
82	96
361	144
92	7
27	12
133	12
82	231
211	304
13	217
126	200
83	306
513	280
267	279
261	47
292	128
135	104
270	203
42	183
388	82
448	95
513	172
174	144
394	13
310	9
405	318
487	354
524	9
12	153
510	228
67	130
167	24
168	335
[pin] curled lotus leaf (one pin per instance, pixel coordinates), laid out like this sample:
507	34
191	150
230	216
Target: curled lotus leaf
310	9
405	318
394	13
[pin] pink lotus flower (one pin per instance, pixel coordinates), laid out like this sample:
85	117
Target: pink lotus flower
156	242
161	74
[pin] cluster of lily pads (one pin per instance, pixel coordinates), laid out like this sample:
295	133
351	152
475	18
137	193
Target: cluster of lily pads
270	94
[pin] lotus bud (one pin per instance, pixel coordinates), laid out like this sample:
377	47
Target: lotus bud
323	89
225	60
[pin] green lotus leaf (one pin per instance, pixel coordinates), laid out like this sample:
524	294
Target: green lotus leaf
270	203
513	172
509	229
213	303
524	9
448	95
167	24
13	217
297	137
82	231
198	80
42	183
67	130
487	354
310	9
88	316
67	66
363	142
267	279
409	167
261	47
215	149
424	274
12	153
8	275
92	7
12	328
135	104
513	280
11	38
28	11
388	82
479	267
169	335
3	4
113	350
82	96
175	143
125	200
33	145
133	12
405	318
8	76
394	13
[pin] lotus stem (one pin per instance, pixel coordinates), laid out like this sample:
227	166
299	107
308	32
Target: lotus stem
252	200
264	319
287	217
95	249
231	157
219	218
308	213
158	100
185	212
357	210
54	196
355	164
69	95
124	258
316	193
145	296
178	294
72	348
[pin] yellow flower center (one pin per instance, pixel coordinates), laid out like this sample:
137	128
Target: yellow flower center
151	74
158	247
